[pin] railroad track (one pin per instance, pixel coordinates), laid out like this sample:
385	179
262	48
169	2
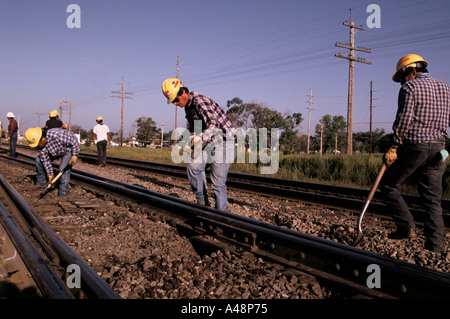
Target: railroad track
335	197
330	196
36	261
345	268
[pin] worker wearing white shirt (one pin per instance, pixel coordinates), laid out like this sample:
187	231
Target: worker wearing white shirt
102	137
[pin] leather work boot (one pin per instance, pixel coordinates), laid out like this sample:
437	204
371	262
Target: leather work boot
400	234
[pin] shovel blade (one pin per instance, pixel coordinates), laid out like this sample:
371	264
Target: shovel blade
44	192
358	238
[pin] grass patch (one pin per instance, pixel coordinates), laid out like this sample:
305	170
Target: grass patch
356	170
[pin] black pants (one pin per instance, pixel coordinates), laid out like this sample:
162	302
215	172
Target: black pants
423	160
101	151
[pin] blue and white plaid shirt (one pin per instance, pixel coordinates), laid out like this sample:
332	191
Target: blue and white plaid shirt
423	111
59	143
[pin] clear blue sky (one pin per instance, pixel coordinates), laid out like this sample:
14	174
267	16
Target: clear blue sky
265	51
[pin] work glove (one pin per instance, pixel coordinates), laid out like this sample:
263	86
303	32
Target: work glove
444	155
196	146
390	156
50	178
73	161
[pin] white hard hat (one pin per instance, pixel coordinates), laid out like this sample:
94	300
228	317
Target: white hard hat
10	114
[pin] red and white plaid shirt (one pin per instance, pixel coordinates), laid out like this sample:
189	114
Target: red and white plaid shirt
212	116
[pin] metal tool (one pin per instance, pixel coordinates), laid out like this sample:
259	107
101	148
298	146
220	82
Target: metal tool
366	205
52	182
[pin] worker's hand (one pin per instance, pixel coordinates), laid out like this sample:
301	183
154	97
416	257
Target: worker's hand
50	178
390	156
73	161
196	146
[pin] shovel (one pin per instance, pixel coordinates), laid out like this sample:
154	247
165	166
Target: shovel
50	185
366	205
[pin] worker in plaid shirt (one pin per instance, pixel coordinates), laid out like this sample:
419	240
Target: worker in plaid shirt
420	131
56	143
210	126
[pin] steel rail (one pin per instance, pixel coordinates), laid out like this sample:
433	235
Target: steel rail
326	195
332	196
92	286
47	280
326	259
400	279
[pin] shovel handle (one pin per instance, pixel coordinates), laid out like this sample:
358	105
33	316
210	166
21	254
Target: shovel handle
366	204
50	184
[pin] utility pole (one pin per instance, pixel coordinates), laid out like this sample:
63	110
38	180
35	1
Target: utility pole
335	143
63	105
321	138
39	116
122	97
309	119
352	59
371	106
162	135
176	107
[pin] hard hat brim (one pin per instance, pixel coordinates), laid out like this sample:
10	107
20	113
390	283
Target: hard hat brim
36	143
401	68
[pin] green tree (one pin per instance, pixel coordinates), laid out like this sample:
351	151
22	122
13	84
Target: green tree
362	141
240	113
333	132
256	115
146	130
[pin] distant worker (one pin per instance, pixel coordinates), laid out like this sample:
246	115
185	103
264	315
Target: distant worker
420	131
54	121
102	136
54	144
203	111
13	127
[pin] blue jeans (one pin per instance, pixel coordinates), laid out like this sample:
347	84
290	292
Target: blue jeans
41	176
12	145
219	170
423	160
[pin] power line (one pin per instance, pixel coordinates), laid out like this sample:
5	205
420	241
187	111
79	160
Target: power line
309	118
352	59
66	105
122	97
39	116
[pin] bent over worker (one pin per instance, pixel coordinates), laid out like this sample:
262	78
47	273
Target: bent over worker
418	147
54	144
211	119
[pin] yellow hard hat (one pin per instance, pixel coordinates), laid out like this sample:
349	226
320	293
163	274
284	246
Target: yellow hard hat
33	136
170	88
53	113
409	60
99	118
